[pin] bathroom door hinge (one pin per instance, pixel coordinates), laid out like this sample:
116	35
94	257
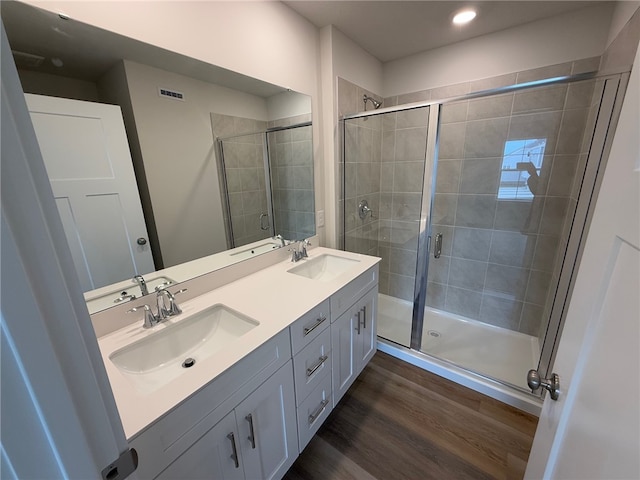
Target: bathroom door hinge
124	466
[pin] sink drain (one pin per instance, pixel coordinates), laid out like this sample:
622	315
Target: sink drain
433	333
189	362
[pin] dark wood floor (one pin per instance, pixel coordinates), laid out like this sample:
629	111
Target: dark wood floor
400	422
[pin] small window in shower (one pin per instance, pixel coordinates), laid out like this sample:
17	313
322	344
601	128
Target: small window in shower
521	164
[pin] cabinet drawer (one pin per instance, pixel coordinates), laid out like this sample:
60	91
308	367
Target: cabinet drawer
350	293
309	326
311	365
314	411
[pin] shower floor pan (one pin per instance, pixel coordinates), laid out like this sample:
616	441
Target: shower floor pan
496	352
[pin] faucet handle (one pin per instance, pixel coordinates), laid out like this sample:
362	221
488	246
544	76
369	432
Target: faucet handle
150	319
305	243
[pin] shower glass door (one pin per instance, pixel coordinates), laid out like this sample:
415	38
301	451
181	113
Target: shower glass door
245	173
382	196
508	175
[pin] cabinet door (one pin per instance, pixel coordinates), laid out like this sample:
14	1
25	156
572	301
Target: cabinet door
343	342
216	455
267	426
367	340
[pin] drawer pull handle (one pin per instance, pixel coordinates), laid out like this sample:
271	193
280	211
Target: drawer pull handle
364	316
308	330
234	455
252	435
312	370
318	411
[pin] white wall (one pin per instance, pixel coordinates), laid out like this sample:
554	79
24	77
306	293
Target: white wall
571	36
57	86
621	15
177	147
340	57
288	104
353	63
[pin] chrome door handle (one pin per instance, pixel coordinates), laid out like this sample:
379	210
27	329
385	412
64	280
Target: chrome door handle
263	225
252	435
437	246
234	455
551	384
308	330
318	364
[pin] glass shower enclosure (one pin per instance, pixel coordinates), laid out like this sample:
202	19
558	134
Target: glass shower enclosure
266	182
474	208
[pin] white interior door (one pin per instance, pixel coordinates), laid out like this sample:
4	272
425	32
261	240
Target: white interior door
85	151
593	430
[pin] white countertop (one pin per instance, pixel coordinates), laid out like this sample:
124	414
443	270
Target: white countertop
272	296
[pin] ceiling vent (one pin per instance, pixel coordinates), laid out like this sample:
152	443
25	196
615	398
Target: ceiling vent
165	92
27	60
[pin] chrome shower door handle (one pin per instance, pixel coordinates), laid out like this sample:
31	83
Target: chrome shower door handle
437	245
264	225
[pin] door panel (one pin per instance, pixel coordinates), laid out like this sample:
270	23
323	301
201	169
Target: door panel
272	446
209	457
87	157
343	345
591	431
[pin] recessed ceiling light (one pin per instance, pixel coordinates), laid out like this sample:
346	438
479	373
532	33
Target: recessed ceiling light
464	16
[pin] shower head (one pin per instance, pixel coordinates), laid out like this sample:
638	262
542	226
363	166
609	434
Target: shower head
376	104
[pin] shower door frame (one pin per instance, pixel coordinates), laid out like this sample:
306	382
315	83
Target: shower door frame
612	94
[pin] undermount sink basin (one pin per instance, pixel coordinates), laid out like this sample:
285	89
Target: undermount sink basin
324	267
159	357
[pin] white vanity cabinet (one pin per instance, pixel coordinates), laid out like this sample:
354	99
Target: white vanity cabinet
252	420
210	457
353	341
258	439
197	430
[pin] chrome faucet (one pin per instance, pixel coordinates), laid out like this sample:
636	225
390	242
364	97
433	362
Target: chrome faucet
139	279
172	309
164	311
299	250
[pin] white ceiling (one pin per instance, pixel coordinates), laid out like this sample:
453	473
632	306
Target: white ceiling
389	30
386	29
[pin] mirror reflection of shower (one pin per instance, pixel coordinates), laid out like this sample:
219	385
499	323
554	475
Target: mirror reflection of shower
366	98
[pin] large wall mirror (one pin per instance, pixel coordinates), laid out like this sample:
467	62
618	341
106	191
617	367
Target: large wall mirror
220	164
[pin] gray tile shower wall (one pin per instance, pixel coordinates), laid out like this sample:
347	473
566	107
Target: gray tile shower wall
291	161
